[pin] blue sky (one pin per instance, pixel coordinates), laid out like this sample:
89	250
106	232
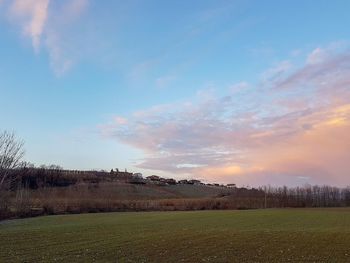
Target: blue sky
89	84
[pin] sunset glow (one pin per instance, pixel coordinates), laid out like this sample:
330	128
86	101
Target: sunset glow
212	90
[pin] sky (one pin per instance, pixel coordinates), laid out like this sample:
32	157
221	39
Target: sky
245	92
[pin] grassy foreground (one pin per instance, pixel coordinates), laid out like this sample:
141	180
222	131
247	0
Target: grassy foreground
273	235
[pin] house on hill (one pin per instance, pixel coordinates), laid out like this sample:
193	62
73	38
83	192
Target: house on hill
183	182
193	181
153	178
170	181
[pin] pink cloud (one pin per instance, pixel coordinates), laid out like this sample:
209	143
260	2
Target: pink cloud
295	131
32	15
49	24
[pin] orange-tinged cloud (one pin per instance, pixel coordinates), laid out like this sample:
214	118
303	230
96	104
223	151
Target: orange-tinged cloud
220	171
321	153
295	129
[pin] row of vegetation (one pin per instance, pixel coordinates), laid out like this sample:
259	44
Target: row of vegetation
87	197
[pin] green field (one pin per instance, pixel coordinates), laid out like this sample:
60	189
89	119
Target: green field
273	235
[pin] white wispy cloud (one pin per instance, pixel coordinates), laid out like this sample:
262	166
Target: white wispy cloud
318	55
32	17
47	24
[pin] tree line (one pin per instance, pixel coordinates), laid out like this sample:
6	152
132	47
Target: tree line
306	196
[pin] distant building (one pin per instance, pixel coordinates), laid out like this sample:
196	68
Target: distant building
231	185
193	181
153	178
183	182
170	181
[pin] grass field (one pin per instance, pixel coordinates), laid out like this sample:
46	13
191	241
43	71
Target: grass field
273	235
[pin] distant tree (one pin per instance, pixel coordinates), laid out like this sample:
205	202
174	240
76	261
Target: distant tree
26	164
55	167
43	166
11	154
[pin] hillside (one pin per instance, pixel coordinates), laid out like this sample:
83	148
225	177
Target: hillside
33	192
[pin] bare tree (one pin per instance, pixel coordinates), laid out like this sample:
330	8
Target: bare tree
11	154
